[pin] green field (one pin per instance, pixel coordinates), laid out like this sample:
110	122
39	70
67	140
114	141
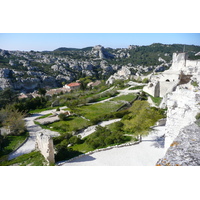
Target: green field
99	109
128	97
137	87
72	123
11	142
31	159
40	110
156	100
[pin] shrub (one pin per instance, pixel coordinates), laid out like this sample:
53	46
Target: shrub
62	116
197	116
58	109
145	80
195	84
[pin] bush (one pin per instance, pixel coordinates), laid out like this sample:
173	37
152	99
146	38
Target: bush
195	84
58	109
12	119
74	140
103	137
62	116
197	116
145	80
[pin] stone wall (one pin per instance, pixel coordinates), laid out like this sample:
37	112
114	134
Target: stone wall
182	107
45	145
180	72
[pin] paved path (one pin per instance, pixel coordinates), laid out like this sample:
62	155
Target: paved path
33	130
125	91
92	129
145	153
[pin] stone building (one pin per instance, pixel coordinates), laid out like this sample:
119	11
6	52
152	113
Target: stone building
179	73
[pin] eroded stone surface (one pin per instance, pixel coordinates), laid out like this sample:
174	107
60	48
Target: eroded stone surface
185	149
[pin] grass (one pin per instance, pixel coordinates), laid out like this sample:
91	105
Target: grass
137	87
32	159
101	99
83	148
156	100
71	124
11	142
41	109
95	110
44	116
128	97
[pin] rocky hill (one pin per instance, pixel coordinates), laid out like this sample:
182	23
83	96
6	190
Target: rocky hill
27	71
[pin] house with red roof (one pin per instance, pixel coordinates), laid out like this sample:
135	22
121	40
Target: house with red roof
72	86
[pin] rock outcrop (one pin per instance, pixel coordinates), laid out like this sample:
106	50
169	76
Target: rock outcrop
100	52
122	74
185	149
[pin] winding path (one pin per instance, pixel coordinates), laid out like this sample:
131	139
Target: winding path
33	130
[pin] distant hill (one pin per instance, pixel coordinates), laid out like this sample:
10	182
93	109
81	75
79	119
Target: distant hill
73	49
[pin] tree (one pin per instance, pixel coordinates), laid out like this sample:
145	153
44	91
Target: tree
7	96
141	118
12	119
42	91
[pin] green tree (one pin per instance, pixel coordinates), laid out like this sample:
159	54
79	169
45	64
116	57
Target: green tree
7	96
141	118
13	120
42	91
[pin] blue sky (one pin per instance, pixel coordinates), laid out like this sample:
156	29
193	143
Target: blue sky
51	41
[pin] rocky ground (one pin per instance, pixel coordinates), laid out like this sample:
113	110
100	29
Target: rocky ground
185	149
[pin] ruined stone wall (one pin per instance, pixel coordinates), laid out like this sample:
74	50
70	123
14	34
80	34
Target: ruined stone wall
182	107
153	88
179	61
45	145
166	87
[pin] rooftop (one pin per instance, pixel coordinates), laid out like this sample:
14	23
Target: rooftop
73	84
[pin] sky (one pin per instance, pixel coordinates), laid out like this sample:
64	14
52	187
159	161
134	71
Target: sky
51	41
